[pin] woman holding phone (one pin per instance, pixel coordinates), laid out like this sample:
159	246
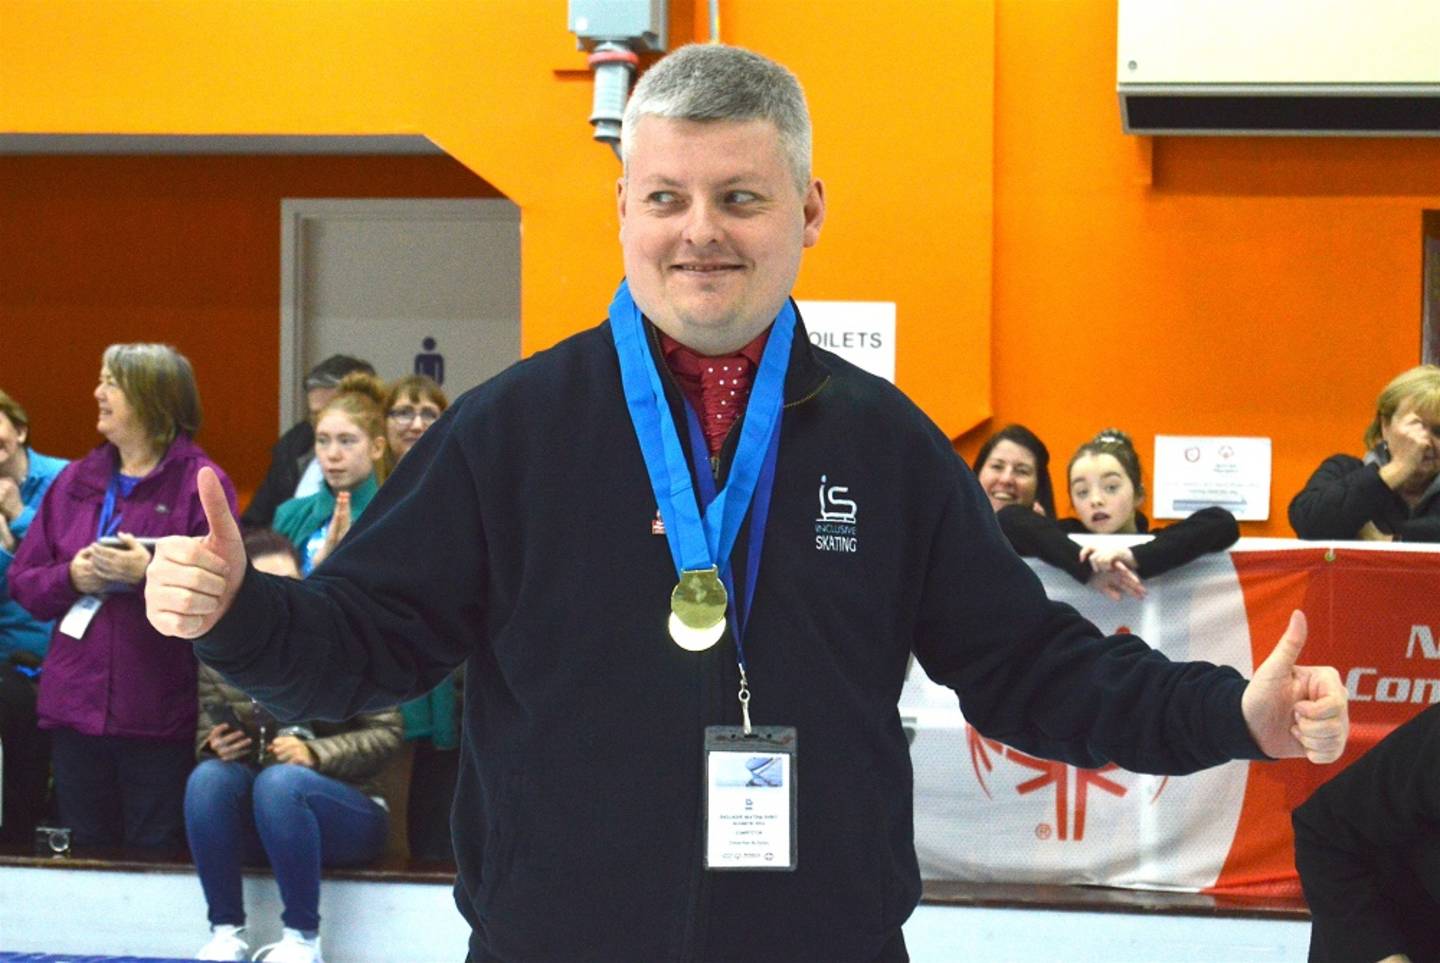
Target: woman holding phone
118	697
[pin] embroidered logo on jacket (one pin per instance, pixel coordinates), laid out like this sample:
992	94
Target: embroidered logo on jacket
836	529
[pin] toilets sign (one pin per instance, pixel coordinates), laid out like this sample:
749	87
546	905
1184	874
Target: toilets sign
861	332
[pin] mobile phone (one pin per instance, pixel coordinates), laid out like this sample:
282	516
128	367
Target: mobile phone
225	712
115	541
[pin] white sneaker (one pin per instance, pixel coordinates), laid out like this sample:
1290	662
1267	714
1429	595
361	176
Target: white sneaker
292	948
225	943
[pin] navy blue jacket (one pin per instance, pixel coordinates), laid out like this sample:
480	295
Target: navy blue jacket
517	538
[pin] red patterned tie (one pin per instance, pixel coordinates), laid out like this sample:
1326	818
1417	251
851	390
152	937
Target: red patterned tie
724	388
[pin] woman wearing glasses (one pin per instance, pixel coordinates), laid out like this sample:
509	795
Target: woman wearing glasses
431	721
350	447
411	407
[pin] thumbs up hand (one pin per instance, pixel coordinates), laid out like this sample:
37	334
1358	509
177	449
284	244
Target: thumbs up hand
192	581
1296	710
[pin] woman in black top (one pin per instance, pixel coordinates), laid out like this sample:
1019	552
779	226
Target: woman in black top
1393	493
1105	491
1013	467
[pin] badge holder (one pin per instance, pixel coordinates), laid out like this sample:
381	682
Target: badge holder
750	798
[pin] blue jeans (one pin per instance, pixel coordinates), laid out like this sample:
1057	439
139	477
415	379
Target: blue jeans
293	816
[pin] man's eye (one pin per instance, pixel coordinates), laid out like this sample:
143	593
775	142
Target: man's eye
740	197
662	197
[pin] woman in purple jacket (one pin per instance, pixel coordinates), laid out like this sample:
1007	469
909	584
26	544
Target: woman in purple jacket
118	696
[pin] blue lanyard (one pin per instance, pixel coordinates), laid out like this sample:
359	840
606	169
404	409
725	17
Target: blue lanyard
696	541
109	522
759	513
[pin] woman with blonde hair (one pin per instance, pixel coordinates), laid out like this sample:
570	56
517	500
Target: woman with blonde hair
350	446
119	697
1391	493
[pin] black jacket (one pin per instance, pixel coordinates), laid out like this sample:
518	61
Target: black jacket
1367	845
1345	493
516	537
289	458
1035	536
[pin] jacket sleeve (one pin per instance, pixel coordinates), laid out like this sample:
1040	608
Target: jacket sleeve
1341	496
391	612
210	689
1208	530
1036	675
1425	528
39	575
1037	536
1387	801
362	750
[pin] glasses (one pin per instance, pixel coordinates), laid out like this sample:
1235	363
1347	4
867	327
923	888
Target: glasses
407	414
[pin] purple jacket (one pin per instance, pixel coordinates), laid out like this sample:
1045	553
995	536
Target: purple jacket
123	678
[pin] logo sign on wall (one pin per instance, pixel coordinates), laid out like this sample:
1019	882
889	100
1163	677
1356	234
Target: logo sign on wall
861	332
1194	472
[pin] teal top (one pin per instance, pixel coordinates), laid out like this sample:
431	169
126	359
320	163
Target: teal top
19	630
298	518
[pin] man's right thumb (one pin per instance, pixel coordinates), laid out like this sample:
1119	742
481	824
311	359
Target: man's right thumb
217	508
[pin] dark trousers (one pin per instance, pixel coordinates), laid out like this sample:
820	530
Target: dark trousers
433	774
115	791
27	758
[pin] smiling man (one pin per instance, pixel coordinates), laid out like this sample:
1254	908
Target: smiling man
685	556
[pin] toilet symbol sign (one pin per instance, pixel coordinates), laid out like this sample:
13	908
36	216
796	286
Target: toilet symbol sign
430	362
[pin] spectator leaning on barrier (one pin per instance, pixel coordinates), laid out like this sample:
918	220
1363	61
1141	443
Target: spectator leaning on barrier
293	472
1367	845
608	717
1106	491
1013	468
119	697
25	477
1393	493
350	450
300	798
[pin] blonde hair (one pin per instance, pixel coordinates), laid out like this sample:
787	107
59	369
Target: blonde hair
11	409
1420	386
160	385
361	397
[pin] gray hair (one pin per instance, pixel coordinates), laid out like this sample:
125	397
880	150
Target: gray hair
705	82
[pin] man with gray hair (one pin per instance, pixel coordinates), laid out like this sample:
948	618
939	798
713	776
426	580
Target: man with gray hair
685	556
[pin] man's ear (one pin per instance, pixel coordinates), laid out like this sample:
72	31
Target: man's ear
814	212
620	197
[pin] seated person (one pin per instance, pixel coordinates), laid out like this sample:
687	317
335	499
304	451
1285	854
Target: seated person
299	797
293	472
1013	467
1391	493
1367	845
350	446
25	476
1106	492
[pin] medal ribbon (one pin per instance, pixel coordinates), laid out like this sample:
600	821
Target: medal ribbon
759	513
698	541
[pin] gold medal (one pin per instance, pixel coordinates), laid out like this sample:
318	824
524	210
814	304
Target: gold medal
695	640
697	609
699	600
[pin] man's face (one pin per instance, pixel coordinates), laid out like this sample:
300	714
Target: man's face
712	226
317	398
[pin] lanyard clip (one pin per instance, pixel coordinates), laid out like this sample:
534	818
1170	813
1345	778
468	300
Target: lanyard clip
744	701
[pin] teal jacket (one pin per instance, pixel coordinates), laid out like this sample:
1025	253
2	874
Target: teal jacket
298	518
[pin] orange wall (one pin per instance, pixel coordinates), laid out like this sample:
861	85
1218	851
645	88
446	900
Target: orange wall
976	171
1236	286
184	250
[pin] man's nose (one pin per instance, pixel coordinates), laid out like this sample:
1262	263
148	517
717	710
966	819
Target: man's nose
702	224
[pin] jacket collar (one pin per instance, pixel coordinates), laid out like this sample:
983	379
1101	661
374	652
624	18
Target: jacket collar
96	468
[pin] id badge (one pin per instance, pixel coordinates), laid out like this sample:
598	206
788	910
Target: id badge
81	614
750	798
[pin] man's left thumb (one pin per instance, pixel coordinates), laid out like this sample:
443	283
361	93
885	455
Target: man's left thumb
1287	650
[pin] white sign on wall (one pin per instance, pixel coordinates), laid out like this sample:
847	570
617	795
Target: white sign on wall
861	332
1195	471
